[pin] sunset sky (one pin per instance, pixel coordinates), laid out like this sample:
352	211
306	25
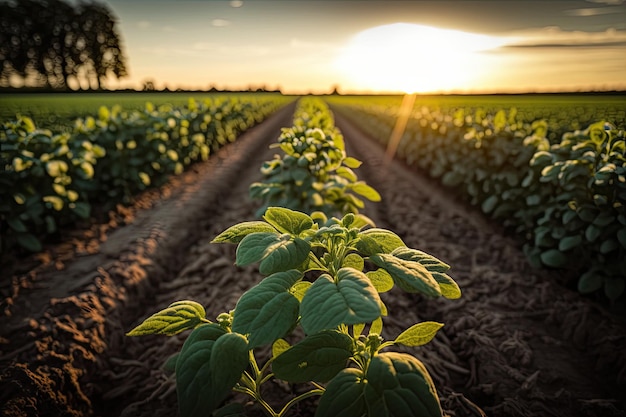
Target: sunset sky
374	46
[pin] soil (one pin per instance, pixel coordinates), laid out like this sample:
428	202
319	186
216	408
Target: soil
518	342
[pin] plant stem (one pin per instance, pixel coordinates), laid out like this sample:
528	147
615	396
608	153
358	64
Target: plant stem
299	398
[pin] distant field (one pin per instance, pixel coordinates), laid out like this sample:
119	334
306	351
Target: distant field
56	110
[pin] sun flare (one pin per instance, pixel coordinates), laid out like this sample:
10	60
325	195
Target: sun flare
414	58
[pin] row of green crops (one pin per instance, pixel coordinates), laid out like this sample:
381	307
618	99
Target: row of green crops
314	173
564	196
49	180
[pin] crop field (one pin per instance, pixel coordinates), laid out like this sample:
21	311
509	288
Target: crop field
266	255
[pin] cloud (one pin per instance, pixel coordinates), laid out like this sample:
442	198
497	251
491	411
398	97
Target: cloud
236	3
555	37
143	24
596	11
609	2
220	23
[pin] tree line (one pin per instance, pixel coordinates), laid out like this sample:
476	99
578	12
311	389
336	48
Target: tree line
54	44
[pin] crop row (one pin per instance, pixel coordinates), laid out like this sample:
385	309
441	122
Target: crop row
565	197
50	180
313	173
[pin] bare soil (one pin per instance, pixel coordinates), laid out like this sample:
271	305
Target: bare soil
517	343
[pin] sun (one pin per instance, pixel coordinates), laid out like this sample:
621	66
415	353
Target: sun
414	59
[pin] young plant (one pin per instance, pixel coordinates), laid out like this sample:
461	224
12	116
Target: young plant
320	293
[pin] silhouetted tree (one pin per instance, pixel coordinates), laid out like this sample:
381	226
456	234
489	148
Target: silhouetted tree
51	41
102	42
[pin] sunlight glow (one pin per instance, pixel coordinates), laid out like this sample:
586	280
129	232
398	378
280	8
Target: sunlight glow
415	58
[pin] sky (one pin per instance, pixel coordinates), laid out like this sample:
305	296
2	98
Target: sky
445	46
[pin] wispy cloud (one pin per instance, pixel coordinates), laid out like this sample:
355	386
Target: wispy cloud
220	23
143	24
236	3
555	37
609	2
595	11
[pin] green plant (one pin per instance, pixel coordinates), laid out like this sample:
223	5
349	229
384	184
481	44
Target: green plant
314	173
321	293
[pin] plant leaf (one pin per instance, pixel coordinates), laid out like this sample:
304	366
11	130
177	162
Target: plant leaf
412	277
179	316
318	357
351	300
373	241
288	221
229	358
344	396
419	334
193	372
399	385
236	233
364	190
554	258
285	256
381	280
268	310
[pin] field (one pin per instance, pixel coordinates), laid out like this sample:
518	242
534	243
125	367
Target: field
521	341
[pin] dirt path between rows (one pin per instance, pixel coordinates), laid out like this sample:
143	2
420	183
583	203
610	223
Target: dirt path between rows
515	344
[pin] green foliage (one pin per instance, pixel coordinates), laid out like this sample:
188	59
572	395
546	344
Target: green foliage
317	282
314	173
51	180
559	187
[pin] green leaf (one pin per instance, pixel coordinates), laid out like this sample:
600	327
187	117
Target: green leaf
351	162
318	357
430	262
229	358
489	204
277	252
279	346
179	316
193	372
449	288
344	396
169	366
28	242
399	385
353	260
381	280
268	310
364	190
236	233
299	289
419	334
372	241
592	233
350	300
554	258
570	242
285	256
81	208
17	225
411	276
288	221
346	173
